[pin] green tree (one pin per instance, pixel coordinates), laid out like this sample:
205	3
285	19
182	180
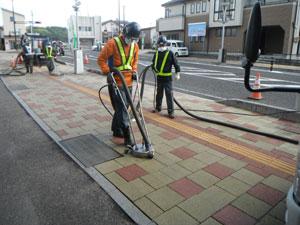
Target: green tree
53	33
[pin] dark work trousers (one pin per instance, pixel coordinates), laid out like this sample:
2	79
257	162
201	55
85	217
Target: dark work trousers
28	60
168	87
120	118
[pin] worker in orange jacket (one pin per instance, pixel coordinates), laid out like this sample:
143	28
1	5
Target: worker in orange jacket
121	52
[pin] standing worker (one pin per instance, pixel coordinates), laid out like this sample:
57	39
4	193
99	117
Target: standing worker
162	63
121	52
50	53
28	57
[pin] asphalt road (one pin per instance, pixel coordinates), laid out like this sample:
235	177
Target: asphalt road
39	183
219	82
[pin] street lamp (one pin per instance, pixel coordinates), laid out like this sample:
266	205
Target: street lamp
13	11
224	4
76	8
78	57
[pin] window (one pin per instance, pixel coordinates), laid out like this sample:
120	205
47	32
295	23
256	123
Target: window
192	8
218	11
202	39
229	32
183	10
196	39
198	7
11	18
204	5
191	39
167	13
85	28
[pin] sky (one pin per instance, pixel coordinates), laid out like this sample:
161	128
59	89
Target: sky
57	12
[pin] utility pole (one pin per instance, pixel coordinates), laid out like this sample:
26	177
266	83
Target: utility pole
222	52
31	21
119	18
13	11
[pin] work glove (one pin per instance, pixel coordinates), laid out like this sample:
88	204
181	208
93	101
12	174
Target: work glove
109	78
177	76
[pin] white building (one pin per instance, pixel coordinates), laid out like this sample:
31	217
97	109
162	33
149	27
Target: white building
10	34
112	28
89	30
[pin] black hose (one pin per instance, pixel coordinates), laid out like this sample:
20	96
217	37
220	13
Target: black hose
145	137
99	94
227	124
237	127
14	69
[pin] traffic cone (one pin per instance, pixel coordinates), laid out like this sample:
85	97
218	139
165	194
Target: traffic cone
256	95
12	64
19	60
86	60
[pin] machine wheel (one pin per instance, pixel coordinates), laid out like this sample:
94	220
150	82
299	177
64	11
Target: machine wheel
150	156
176	54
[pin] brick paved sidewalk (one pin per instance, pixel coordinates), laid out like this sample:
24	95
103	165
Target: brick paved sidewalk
201	172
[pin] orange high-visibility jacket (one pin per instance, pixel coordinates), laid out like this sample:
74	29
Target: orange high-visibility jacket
111	57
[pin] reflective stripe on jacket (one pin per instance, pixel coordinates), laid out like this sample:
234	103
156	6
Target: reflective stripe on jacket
49	54
110	57
160	72
125	65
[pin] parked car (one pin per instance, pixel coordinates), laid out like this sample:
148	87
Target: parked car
177	47
98	47
95	48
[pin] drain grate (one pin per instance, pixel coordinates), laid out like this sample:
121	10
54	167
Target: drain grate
18	87
89	150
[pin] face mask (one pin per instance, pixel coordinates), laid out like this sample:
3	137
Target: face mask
129	41
162	49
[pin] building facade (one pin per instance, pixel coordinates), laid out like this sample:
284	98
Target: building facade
112	28
89	30
10	33
280	25
148	37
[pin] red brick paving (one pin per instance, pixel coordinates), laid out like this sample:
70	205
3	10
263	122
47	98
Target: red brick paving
75	124
183	153
229	116
131	172
250	126
251	137
233	216
169	135
267	194
259	171
65	116
186	187
61	133
272	141
219	170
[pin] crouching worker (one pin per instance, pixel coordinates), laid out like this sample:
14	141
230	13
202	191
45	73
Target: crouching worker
121	52
50	54
162	63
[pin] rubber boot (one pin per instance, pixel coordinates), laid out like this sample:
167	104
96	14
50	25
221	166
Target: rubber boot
127	137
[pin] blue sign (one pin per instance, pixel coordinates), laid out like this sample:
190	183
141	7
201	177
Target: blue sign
197	29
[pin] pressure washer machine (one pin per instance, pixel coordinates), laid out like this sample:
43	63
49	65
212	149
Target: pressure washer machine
144	149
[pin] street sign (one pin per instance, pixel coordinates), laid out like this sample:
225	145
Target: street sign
197	29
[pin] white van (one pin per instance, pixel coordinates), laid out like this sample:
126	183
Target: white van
177	47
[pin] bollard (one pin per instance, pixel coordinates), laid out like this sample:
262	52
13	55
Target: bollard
272	62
